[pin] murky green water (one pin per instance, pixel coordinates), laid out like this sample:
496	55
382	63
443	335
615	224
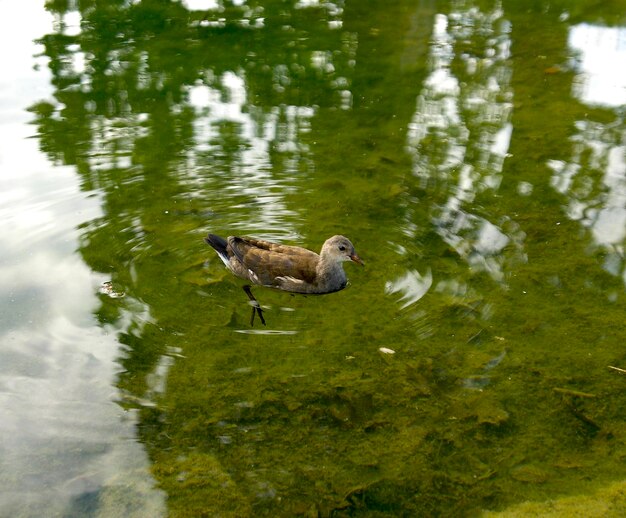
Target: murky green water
474	153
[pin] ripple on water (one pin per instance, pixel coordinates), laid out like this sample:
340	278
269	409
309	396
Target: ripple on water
265	331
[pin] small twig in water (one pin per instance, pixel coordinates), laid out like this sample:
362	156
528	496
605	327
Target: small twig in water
570	392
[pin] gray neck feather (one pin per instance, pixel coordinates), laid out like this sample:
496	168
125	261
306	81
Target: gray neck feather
331	274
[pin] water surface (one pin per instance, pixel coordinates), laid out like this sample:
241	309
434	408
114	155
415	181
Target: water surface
474	153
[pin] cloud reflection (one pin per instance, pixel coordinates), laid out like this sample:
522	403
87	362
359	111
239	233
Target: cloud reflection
62	437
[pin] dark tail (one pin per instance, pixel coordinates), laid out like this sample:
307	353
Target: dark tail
217	242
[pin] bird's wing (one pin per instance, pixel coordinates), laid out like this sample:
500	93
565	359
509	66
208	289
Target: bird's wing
268	261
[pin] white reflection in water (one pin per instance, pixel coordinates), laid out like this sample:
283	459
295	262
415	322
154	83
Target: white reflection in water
69	23
593	183
247	175
66	448
602	55
334	10
413	286
200	5
502	140
461	131
62	437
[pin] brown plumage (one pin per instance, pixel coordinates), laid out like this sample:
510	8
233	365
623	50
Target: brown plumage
289	268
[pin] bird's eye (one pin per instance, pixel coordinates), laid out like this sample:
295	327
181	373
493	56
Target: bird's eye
342	248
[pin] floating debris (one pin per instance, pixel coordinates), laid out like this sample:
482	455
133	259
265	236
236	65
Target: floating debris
385	350
623	371
106	288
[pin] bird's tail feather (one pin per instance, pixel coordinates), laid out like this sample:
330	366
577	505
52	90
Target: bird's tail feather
219	244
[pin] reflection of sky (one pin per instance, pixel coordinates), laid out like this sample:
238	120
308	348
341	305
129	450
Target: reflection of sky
602	55
205	5
202	5
593	179
61	435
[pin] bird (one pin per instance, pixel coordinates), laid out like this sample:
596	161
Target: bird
289	268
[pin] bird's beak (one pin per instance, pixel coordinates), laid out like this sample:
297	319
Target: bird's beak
357	259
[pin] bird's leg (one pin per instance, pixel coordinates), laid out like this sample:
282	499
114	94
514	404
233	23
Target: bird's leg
256	307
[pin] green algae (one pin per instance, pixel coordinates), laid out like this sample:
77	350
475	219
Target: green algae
609	501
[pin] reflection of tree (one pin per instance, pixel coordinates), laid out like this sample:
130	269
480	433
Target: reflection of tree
460	133
593	178
205	105
170	117
594	183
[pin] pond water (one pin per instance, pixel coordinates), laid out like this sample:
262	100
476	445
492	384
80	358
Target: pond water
473	151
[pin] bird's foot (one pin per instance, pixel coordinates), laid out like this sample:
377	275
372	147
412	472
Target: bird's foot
256	307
